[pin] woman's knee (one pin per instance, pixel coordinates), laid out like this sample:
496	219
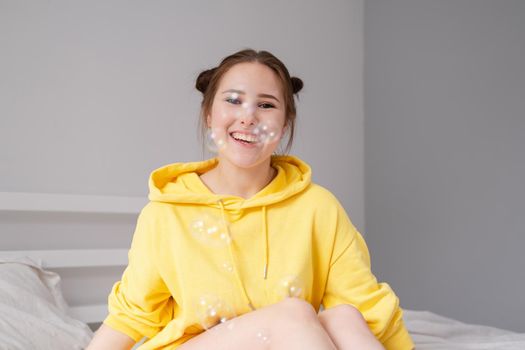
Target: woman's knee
294	310
342	314
348	328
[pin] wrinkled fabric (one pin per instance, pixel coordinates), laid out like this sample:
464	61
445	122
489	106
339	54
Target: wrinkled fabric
435	332
33	312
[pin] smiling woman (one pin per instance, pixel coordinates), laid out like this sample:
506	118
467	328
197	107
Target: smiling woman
209	80
248	116
240	251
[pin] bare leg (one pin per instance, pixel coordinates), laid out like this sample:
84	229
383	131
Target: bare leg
348	329
290	324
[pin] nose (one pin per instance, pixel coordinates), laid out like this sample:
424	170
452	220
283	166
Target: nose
248	117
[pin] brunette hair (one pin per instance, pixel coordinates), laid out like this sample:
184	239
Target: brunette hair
208	82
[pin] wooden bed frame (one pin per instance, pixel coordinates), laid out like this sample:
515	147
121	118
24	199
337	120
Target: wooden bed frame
74	260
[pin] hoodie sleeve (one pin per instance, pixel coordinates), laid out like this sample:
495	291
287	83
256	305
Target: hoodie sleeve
350	281
140	304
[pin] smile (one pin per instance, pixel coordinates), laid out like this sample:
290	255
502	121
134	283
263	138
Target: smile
244	138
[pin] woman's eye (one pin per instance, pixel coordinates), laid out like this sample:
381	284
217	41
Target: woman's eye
234	101
266	105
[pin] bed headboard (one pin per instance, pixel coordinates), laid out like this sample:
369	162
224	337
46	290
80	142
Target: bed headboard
85	239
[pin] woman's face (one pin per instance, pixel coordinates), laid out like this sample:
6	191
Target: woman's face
247	117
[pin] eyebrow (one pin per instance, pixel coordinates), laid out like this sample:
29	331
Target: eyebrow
240	92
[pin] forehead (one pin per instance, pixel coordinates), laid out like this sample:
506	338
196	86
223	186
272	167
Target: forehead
251	77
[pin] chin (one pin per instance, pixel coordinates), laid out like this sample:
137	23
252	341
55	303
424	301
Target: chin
246	162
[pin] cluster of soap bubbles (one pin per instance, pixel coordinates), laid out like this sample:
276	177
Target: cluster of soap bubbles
212	310
265	131
290	286
226	266
210	230
263	336
215	140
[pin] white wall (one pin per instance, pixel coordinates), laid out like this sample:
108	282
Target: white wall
96	94
444	155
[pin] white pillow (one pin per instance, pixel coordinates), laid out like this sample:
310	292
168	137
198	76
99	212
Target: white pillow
33	311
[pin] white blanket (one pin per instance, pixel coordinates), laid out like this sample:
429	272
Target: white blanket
33	312
433	332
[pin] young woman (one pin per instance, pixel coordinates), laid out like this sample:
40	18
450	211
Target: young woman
240	251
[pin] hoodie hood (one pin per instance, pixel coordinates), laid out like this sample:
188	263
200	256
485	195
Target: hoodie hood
180	183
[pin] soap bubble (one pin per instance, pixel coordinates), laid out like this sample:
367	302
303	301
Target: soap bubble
227	267
248	107
263	336
267	132
290	286
210	230
230	325
212	310
215	140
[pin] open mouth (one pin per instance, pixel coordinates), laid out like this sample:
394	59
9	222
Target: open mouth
247	139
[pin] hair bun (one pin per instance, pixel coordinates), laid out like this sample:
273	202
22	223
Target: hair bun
297	84
203	80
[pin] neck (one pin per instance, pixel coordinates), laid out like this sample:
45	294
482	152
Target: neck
226	178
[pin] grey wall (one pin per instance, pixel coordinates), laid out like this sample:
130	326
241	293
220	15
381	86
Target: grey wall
444	155
95	95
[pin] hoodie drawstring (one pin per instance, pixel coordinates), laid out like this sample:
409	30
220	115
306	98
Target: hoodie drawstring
232	257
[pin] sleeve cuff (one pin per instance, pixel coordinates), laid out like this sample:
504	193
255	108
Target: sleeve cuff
400	340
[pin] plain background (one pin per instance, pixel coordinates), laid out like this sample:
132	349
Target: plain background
445	155
424	133
97	94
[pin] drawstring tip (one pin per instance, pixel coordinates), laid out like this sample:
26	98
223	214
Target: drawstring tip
265	271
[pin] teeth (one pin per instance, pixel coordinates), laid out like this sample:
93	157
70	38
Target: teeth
244	137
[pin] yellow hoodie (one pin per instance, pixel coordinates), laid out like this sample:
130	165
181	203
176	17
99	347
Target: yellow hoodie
193	247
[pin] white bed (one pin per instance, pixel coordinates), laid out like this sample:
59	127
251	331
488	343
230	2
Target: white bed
53	291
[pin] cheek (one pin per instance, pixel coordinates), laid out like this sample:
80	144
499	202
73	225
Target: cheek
221	118
280	121
217	117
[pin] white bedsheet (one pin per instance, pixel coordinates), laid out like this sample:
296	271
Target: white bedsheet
434	332
33	312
